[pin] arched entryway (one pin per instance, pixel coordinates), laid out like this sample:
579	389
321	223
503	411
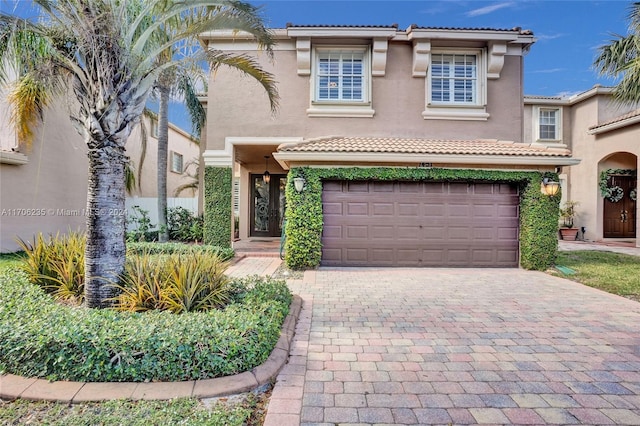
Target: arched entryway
618	189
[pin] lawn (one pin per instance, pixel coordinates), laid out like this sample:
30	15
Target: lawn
611	272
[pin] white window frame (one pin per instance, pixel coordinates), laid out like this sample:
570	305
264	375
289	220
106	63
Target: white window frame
337	107
557	139
153	123
174	157
445	110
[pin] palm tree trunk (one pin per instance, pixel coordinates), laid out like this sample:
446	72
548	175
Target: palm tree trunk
163	148
105	251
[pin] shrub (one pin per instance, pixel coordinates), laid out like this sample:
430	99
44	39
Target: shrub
183	225
224	253
57	264
140	224
177	283
39	338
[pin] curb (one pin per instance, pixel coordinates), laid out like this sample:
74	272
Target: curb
14	387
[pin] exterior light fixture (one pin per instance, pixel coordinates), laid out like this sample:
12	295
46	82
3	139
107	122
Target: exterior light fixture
549	187
299	183
266	177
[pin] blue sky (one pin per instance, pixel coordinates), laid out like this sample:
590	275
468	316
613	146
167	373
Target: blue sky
560	62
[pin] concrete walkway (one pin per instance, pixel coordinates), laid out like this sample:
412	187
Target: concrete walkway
458	346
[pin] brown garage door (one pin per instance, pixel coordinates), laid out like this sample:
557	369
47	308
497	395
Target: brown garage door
420	224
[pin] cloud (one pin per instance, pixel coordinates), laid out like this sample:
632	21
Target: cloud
547	71
544	37
488	9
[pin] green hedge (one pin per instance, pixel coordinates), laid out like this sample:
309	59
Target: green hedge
40	338
538	213
225	253
217	205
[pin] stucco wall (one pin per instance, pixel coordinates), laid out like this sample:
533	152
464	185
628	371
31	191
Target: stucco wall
595	152
239	107
49	193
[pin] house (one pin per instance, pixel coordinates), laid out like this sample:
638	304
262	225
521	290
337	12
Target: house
409	147
604	135
43	188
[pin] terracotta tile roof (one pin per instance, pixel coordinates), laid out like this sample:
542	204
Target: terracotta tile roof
290	25
423	146
618	119
516	29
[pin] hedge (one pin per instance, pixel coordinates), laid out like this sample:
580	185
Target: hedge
225	253
217	206
538	213
40	338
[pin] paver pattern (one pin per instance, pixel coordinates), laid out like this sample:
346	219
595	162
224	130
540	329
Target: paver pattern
465	346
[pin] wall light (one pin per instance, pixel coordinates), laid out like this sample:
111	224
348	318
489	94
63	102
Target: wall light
549	187
299	183
266	177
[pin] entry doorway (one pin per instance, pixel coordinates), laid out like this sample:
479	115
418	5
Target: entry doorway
620	217
267	205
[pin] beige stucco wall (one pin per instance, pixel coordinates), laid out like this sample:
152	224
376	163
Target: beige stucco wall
180	142
239	107
596	152
49	193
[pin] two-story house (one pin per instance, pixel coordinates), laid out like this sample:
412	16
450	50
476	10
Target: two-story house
409	147
604	135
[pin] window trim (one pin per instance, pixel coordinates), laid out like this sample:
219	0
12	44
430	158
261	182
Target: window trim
459	110
153	123
175	155
339	108
536	124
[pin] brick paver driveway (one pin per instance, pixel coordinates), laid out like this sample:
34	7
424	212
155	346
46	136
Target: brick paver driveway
467	346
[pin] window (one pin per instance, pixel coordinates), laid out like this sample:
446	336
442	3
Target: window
341	78
548	124
454	79
154	127
176	162
456	85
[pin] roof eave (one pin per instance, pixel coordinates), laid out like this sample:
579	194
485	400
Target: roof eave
613	126
286	158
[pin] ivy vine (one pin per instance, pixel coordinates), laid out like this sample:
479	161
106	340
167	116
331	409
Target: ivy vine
538	213
217	205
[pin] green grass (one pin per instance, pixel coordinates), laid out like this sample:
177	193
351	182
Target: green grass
176	412
611	272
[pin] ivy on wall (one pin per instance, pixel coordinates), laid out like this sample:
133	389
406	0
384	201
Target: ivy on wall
217	206
538	213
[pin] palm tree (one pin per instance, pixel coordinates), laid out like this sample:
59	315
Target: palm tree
106	53
621	58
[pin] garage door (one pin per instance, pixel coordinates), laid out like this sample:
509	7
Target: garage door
420	224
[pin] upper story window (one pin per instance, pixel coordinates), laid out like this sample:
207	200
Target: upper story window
547	124
456	85
454	79
176	162
154	127
341	82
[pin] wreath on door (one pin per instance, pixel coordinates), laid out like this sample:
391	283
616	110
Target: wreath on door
614	193
633	194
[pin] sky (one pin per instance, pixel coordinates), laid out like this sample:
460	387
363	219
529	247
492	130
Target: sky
568	32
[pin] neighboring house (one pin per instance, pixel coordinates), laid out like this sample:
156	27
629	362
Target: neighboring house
605	136
44	188
411	143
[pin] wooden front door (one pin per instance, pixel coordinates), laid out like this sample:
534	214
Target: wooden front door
620	217
267	205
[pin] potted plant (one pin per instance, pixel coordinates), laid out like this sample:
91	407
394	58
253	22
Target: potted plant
568	215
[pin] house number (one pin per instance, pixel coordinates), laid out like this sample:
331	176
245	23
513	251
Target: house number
425	165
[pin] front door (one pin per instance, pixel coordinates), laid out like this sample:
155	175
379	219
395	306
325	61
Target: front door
267	205
620	217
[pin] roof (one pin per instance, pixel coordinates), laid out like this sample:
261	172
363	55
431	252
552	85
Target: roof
353	144
511	30
290	25
617	122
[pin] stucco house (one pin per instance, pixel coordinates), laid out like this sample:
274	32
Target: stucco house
408	146
43	188
605	136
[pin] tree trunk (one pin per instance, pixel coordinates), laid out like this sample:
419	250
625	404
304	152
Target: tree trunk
105	251
163	147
